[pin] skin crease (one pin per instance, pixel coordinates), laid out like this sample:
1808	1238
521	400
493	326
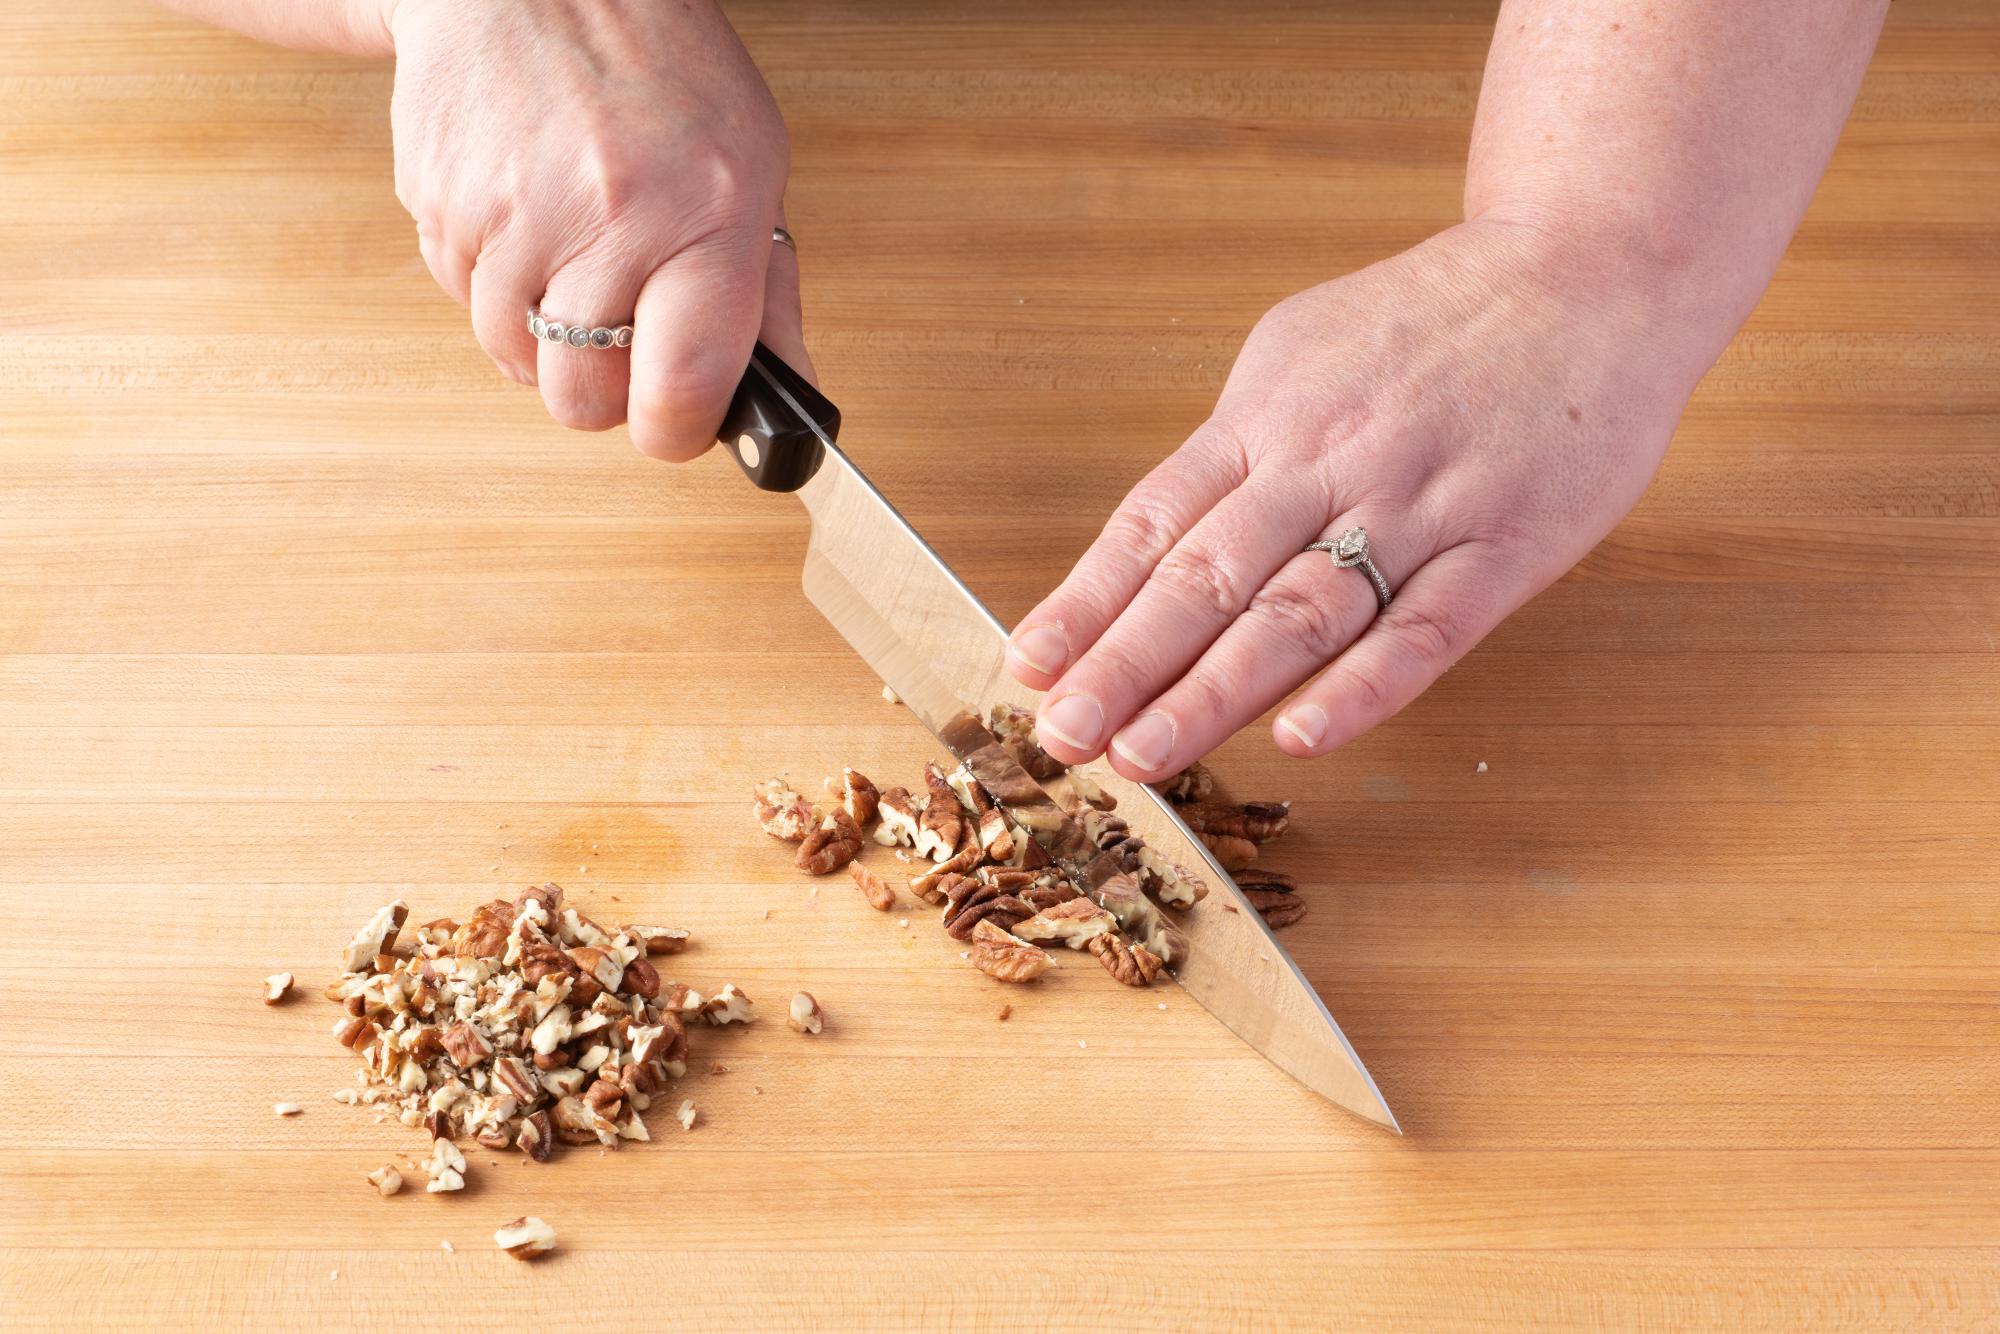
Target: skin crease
1488	404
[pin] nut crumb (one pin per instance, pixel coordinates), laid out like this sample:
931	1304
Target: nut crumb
333	1276
386	1180
717	1068
276	986
286	1109
903	922
685	1113
1479	768
887	694
1163	1005
1081	1043
757	1088
447	1247
1005	1012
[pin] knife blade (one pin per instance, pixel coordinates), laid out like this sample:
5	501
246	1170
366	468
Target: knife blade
913	620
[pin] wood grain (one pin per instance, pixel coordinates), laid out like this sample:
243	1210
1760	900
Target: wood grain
1688	1003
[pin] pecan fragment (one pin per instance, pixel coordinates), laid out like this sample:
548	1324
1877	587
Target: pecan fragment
640	979
928	885
781	812
943	822
1134	965
376	936
900	816
525	1238
275	987
1194	783
833	845
466	1045
659	939
805	1015
537	1138
874	887
859	797
1005	957
1075	923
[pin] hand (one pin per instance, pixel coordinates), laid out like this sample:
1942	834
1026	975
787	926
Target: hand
612	161
1484	404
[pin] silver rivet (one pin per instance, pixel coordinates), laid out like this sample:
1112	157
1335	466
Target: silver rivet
747	448
600	338
623	336
577	336
557	330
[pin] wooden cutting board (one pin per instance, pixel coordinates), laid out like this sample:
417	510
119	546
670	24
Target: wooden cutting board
1688	1003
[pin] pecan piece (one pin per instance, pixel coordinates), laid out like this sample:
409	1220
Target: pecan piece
376	937
900	817
880	896
275	987
998	954
969	902
996	836
640	979
782	812
537	1138
831	846
485	935
577	1122
1194	783
1015	727
525	1238
1075	923
1258	821
541	905
943	824
660	939
466	1045
1134	965
805	1014
1042	897
859	797
927	885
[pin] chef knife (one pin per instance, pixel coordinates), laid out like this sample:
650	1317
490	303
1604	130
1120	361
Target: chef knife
943	653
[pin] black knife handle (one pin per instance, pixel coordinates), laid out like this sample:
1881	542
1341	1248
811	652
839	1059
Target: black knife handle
775	422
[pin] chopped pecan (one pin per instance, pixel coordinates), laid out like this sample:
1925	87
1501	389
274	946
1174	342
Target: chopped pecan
969	902
728	1006
833	845
1120	895
1074	923
605	1096
943	823
659	939
996	836
513	1076
542	905
927	885
1134	965
1194	783
601	965
640	979
466	1045
485	935
537	1138
859	797
1015	727
880	896
494	1136
1230	852
782	812
577	1122
804	1014
1042	896
1257	821
275	987
900	819
386	1180
1006	957
525	1238
377	936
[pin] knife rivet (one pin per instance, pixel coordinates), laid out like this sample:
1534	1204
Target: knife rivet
747	448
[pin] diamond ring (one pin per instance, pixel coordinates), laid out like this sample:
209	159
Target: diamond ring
577	335
1351	549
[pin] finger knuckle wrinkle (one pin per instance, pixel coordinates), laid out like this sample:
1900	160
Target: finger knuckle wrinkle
1299	617
1433	637
1148	529
1203	580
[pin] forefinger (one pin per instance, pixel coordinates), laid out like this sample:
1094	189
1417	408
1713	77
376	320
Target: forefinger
1160	510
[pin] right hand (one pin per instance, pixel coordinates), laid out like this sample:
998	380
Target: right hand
611	161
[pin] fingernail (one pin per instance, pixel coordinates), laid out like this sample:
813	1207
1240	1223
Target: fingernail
1307	723
1074	720
1043	648
1147	741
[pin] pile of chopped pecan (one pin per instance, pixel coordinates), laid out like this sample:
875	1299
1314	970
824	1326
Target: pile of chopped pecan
526	1026
995	887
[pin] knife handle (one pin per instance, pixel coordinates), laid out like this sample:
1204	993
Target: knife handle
775	423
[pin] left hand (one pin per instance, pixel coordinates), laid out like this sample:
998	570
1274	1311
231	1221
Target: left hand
1488	405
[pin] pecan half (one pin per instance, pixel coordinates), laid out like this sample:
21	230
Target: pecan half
1008	958
1230	852
1274	895
831	846
1134	965
1258	821
781	812
969	902
880	896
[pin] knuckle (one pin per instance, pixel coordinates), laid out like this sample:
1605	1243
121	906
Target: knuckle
1115	670
577	410
1199	578
1202	694
1369	686
1431	635
1299	618
1146	527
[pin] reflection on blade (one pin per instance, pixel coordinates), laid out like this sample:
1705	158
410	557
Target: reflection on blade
944	654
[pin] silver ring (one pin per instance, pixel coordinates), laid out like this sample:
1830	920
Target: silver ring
1350	549
784	238
578	335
